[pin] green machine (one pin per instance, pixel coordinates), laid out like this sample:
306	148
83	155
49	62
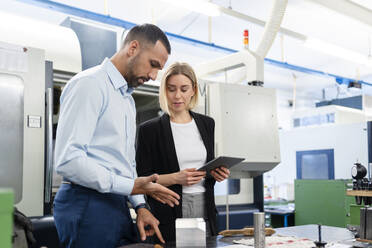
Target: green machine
6	218
322	201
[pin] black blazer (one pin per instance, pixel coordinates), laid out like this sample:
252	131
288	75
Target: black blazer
156	153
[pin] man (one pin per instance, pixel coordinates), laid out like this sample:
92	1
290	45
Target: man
95	151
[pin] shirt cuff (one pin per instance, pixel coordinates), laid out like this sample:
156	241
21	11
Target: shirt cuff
122	185
136	200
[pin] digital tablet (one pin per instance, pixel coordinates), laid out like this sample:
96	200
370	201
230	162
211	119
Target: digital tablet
224	161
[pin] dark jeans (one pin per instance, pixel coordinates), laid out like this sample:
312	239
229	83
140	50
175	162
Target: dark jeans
87	218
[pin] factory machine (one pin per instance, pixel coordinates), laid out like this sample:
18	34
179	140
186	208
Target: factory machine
31	70
362	190
22	107
30	67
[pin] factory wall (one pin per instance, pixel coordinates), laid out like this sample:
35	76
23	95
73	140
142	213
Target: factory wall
349	142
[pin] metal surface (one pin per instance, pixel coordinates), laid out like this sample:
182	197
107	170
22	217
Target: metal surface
62	77
49	145
30	196
363	226
259	229
322	201
250	112
32	202
11	135
369	224
329	233
92	38
253	64
190	227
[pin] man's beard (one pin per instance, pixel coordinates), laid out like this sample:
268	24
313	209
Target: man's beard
132	80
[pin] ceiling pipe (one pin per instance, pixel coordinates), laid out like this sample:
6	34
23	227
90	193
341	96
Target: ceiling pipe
127	25
272	27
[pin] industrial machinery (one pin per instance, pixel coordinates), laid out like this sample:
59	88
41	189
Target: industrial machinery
29	63
246	127
22	102
246	120
315	198
358	173
362	190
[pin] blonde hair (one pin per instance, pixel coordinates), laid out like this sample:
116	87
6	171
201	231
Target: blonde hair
177	69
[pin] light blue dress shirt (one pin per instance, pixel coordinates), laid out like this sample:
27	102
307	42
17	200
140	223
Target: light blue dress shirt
96	132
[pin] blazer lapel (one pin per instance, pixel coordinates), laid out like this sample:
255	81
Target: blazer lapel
169	143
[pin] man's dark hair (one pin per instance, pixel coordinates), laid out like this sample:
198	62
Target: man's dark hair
147	33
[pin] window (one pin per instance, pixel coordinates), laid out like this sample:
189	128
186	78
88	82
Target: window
314	120
315	164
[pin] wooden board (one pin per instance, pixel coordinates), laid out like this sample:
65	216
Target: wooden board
364	240
359	193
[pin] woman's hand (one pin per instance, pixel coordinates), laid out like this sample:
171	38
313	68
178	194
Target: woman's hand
189	177
220	173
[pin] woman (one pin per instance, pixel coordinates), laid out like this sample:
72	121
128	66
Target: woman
175	145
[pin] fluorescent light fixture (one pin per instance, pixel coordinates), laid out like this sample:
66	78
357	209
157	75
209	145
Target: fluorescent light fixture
337	51
199	6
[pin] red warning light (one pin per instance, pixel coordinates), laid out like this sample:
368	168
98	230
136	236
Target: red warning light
246	39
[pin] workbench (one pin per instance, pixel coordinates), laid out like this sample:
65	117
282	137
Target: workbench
329	234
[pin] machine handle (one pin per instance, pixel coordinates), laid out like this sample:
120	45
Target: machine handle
49	146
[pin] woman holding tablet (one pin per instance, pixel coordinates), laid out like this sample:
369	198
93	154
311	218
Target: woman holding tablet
175	145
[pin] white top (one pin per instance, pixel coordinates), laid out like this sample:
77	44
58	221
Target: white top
190	150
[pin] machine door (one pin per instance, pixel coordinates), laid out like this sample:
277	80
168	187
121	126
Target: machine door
22	109
11	135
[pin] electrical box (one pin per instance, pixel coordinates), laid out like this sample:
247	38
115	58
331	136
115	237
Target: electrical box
246	126
322	201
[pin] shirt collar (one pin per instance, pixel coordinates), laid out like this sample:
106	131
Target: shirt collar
117	80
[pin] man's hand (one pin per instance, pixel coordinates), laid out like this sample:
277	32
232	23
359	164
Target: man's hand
189	177
147	185
145	218
220	173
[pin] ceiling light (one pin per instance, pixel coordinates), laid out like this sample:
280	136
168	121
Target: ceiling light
202	7
337	51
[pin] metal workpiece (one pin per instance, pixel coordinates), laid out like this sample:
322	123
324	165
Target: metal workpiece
369	224
259	229
190	227
362	230
365	230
